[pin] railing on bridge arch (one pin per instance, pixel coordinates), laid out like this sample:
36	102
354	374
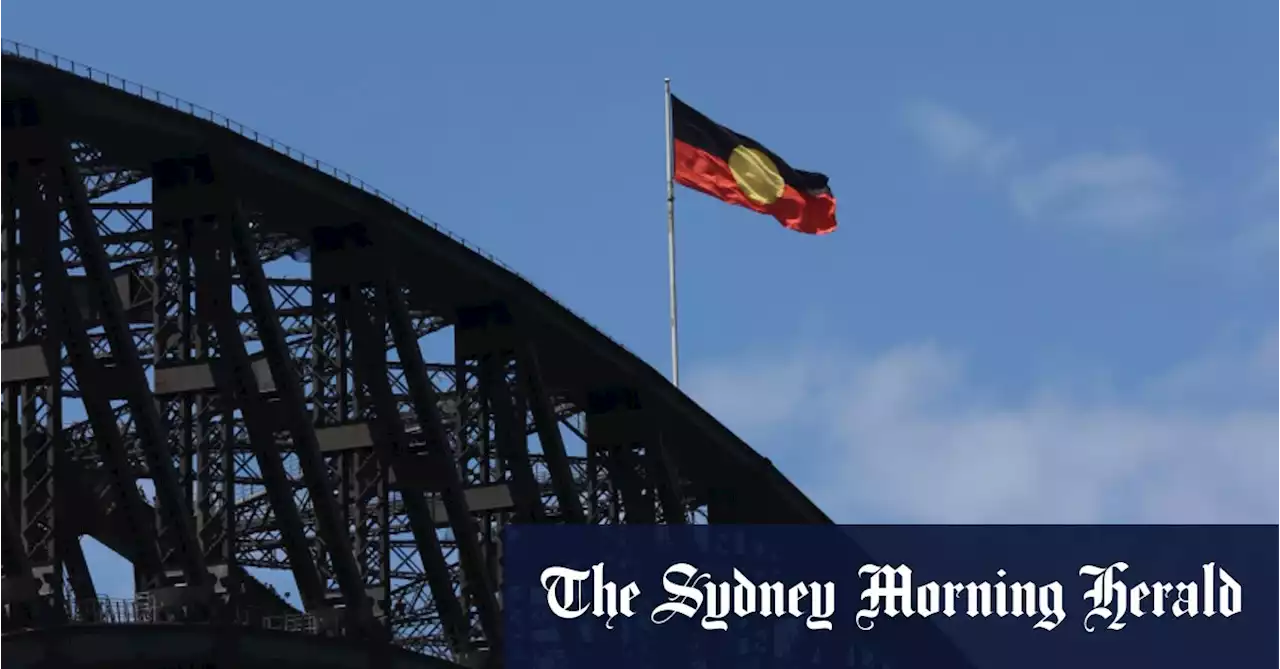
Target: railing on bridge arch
146	609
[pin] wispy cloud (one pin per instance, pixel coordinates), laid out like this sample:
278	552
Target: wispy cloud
1111	191
908	435
958	140
1254	242
1116	191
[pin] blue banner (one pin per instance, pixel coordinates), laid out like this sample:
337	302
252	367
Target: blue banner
987	597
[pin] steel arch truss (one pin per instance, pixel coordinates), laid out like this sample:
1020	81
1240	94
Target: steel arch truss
180	387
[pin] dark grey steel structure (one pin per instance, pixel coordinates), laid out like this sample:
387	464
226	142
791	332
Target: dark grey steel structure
199	646
180	387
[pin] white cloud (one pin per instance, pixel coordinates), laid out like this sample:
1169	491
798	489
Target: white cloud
1115	191
958	140
908	436
1224	375
1111	191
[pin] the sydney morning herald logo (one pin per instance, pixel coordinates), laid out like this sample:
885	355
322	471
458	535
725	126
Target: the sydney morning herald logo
891	591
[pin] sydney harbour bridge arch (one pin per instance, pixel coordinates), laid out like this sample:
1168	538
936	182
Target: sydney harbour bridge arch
221	355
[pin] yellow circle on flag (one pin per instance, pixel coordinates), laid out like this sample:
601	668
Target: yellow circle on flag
756	175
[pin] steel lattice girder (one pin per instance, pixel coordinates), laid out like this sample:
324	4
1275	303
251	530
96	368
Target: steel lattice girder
298	424
187	287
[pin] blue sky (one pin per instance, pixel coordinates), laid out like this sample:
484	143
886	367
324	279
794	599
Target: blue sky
1051	295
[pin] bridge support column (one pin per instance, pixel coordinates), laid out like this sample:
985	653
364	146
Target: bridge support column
626	440
198	410
214	375
365	304
46	212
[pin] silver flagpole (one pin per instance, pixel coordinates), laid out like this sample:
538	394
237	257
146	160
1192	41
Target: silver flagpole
671	241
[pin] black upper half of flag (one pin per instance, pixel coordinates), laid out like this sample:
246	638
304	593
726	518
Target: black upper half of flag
694	128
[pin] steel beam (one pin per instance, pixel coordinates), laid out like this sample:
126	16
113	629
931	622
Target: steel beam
33	402
332	407
477	584
176	530
261	521
22	603
293	407
625	469
634	439
103	523
66	325
390	447
619	433
662	474
78	576
214	295
549	436
511	440
178	339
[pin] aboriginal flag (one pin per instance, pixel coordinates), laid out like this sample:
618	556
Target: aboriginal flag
739	170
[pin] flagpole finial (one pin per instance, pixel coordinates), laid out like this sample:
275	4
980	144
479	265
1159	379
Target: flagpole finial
666	80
